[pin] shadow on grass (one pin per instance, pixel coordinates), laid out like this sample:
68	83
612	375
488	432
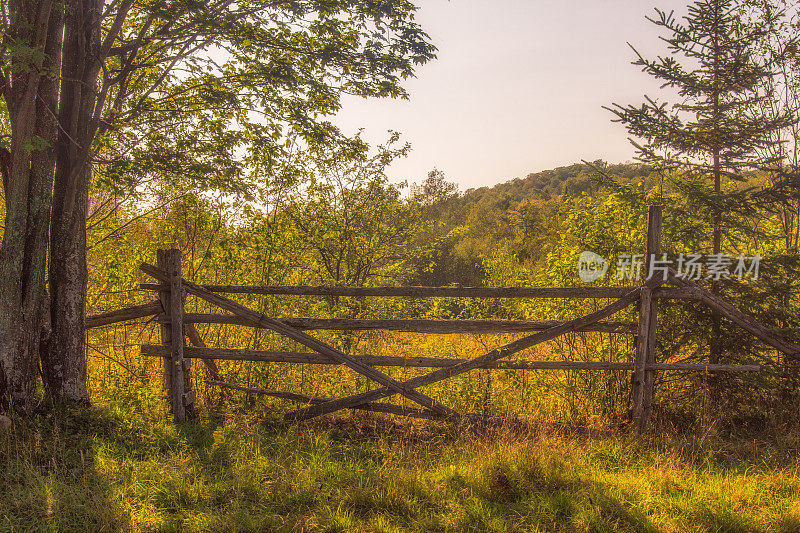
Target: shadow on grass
456	488
519	493
101	470
550	497
50	480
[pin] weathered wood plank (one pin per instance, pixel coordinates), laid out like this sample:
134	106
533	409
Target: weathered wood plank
409	325
746	322
123	315
638	386
307	341
302	398
227	354
439	292
178	389
166	341
644	376
702	367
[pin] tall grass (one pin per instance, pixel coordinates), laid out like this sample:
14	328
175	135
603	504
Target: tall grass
123	466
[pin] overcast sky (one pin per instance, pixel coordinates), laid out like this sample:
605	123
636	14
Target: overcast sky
517	87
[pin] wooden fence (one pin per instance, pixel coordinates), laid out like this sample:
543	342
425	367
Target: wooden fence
176	325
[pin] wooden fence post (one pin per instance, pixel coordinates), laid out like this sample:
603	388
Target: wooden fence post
643	378
177	370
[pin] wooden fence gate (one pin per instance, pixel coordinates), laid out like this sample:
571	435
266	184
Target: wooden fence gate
176	325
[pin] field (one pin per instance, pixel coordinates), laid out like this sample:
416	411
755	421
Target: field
122	465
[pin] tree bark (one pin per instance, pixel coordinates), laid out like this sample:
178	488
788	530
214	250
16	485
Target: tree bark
31	97
715	342
64	356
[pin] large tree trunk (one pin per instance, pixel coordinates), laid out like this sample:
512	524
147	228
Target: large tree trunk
64	357
31	96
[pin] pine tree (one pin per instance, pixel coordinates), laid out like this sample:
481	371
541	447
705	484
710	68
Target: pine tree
711	139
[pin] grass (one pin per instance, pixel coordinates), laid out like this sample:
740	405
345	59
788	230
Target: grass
123	466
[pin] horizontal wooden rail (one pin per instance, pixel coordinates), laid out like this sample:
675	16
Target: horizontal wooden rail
154	350
439	292
414	325
121	315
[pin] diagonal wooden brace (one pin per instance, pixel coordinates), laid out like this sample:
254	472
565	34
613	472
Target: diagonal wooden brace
747	322
308	341
302	398
489	357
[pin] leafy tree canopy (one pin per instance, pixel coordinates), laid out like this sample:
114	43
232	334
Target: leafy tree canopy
218	93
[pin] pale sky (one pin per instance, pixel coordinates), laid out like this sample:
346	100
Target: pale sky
517	87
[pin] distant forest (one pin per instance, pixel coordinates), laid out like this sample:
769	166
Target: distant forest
517	217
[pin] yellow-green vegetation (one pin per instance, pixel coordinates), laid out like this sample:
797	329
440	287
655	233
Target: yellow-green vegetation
232	160
123	466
